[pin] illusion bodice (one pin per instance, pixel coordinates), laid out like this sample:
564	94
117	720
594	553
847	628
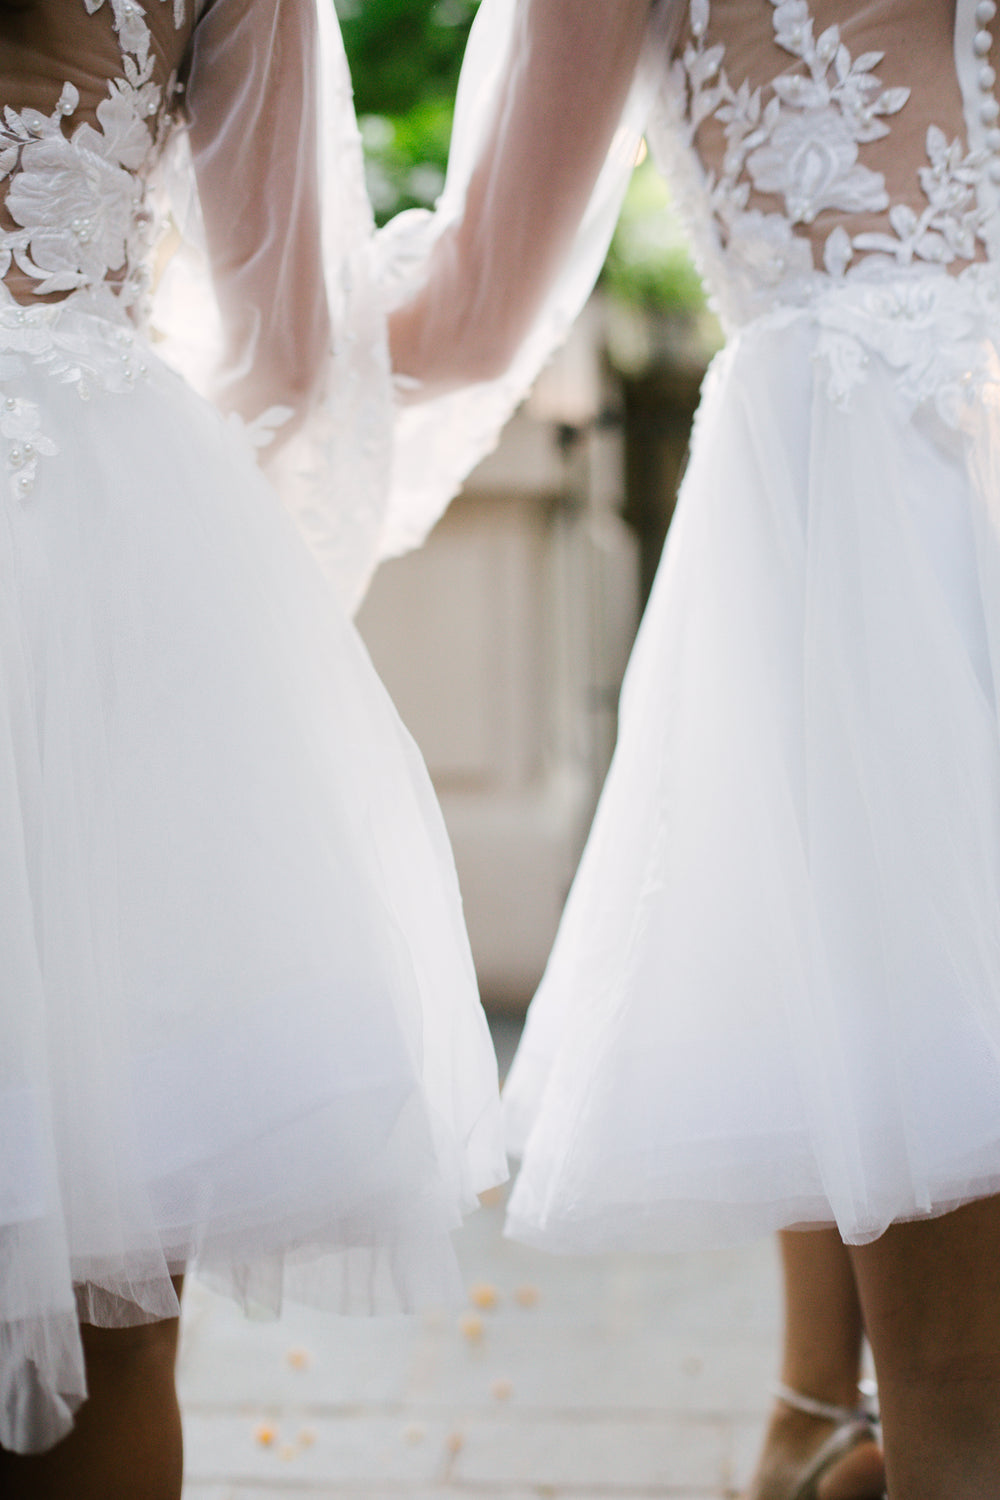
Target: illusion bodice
809	139
227	249
89	98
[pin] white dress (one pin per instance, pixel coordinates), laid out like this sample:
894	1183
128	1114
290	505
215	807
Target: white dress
775	996
239	1027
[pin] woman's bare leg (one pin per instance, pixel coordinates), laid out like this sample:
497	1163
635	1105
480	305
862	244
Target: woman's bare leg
126	1444
821	1358
824	1330
931	1294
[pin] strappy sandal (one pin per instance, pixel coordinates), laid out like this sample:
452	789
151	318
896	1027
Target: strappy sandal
854	1426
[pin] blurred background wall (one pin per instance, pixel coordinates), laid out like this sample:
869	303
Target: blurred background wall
504	640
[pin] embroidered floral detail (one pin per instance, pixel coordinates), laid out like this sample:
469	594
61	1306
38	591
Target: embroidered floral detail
936	334
75	206
24	440
946	230
811	159
77	200
82	228
261	432
767	248
803	145
92	345
130	24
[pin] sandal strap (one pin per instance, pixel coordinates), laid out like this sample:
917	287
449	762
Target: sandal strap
851	1434
825	1410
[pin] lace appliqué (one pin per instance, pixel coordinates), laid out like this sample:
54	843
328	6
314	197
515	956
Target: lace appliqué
803	146
883	295
81	227
936	333
21	430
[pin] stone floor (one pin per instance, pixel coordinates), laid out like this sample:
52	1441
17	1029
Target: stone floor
575	1379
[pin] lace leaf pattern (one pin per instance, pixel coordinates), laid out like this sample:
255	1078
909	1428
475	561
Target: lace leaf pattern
799	139
948	227
76	199
804	147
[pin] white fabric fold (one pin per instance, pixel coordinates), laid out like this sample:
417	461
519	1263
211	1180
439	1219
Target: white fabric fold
772	1001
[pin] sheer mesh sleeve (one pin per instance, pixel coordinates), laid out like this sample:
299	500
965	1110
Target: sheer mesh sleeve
270	308
276	307
253	104
551	106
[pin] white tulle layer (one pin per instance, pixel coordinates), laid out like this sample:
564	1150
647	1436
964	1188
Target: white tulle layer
775	996
239	1013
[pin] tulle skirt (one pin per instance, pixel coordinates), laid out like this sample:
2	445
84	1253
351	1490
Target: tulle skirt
775	996
239	1019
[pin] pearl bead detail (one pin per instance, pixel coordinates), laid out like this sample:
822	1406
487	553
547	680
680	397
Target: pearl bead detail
982	43
985	11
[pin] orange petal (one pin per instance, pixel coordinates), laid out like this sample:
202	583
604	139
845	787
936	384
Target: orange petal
471	1325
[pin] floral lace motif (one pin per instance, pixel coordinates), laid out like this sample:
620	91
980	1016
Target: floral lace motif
800	139
82	227
804	146
936	333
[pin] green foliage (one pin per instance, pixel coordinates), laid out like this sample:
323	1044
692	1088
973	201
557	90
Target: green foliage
649	264
405	57
402	51
406	156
